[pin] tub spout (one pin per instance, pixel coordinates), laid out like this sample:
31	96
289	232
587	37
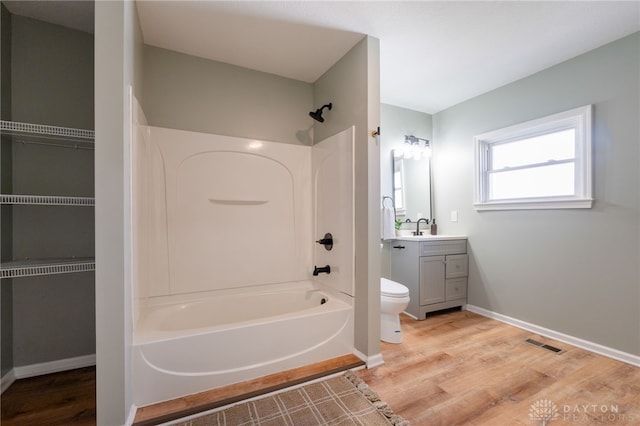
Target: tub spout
321	270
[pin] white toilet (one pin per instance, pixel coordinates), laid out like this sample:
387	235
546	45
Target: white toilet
394	298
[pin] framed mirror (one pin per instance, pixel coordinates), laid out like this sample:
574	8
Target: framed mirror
412	186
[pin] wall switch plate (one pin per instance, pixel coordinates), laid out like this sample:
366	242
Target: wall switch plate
454	215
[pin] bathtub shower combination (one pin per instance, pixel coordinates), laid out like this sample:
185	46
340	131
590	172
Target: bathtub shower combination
224	248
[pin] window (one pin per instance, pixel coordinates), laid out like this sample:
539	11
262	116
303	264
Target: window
540	164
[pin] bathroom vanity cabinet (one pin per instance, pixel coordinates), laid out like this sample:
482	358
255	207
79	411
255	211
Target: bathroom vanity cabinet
435	270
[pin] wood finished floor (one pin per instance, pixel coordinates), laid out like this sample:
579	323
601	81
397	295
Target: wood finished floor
59	399
460	368
453	369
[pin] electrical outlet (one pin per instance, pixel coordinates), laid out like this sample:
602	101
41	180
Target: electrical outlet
454	215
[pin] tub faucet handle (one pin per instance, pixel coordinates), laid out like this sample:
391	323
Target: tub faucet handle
321	270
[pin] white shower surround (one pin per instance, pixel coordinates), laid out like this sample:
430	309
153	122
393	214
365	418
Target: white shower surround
230	212
222	221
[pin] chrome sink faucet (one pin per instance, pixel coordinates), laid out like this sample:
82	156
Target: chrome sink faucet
417	231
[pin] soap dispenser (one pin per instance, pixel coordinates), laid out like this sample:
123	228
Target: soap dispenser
434	227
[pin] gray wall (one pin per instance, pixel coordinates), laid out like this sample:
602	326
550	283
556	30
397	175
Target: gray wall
6	287
572	271
51	83
52	74
189	93
353	86
5	63
118	64
397	122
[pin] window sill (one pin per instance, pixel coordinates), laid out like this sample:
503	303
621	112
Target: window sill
546	204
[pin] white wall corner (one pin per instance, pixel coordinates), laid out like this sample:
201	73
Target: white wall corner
561	337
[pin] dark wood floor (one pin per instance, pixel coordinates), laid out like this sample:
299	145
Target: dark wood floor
59	399
456	368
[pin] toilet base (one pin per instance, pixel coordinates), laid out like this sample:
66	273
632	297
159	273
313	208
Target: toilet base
390	331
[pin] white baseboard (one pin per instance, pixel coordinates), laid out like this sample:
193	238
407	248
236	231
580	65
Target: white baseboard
410	316
54	366
375	361
561	337
7	380
132	415
372	361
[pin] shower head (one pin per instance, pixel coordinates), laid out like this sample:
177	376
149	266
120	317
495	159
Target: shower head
317	114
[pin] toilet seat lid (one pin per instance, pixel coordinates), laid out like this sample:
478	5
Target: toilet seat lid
392	289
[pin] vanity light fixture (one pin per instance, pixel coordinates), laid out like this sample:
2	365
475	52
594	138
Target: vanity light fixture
418	147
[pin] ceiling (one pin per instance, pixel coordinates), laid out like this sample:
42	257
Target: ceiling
71	14
433	54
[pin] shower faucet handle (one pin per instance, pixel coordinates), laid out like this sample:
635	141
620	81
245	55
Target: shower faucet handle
327	241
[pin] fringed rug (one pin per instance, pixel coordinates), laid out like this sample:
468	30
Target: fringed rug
342	400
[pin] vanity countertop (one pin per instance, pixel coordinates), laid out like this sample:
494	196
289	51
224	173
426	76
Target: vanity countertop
429	237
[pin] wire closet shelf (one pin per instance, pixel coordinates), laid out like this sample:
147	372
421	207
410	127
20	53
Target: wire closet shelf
31	268
16	127
43	134
54	136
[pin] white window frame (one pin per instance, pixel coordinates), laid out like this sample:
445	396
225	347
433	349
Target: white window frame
578	119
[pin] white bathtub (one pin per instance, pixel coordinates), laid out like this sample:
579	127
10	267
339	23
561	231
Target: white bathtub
184	345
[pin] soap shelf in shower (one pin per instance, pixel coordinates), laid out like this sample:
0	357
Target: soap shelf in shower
36	267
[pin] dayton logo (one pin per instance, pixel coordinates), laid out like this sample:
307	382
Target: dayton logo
543	411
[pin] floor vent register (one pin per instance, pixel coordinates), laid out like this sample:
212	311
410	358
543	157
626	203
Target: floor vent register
544	346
